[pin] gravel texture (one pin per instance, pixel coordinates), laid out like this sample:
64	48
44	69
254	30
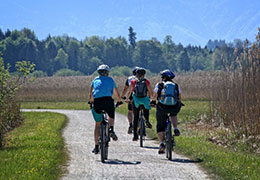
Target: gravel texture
126	159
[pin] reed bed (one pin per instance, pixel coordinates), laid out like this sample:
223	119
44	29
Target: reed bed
76	88
236	96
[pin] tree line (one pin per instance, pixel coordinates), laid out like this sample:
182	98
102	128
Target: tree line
64	53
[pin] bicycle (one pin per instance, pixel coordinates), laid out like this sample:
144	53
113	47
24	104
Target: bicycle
104	137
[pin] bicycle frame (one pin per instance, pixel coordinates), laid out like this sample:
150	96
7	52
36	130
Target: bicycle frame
104	137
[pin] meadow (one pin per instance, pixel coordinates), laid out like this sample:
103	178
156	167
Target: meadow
205	138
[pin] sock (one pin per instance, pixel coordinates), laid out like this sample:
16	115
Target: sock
176	128
131	124
112	128
96	146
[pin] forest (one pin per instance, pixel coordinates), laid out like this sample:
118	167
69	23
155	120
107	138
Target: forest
64	55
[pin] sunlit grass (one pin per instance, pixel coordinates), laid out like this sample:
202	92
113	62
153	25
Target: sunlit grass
34	150
217	160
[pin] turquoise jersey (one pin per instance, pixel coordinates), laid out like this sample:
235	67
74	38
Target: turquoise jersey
103	86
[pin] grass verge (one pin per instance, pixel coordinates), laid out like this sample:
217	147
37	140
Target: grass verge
34	150
220	162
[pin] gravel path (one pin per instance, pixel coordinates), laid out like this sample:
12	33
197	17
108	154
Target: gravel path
126	159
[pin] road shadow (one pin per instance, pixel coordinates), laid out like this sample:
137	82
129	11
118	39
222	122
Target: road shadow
121	162
186	160
151	147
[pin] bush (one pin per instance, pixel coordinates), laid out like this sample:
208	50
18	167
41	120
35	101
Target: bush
39	74
9	106
68	72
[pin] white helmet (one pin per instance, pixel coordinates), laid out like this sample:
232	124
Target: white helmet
103	69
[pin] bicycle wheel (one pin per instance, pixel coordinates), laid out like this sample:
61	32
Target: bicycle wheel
168	139
102	142
107	139
141	121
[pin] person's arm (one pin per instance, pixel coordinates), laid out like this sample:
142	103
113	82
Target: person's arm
150	92
117	95
155	95
129	92
90	94
124	91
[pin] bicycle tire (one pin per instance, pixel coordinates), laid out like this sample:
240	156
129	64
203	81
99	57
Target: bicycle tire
141	121
102	142
168	139
107	138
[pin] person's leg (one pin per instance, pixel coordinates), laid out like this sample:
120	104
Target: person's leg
146	116
174	121
130	118
96	136
160	127
136	117
97	132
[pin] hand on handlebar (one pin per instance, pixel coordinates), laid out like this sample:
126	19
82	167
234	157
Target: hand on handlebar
91	105
119	103
153	103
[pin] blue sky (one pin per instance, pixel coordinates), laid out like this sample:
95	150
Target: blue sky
187	21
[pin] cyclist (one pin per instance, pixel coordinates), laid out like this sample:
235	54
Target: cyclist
130	103
168	94
101	91
141	91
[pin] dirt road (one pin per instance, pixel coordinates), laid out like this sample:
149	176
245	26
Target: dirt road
126	159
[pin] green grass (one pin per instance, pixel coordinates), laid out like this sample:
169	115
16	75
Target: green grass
221	162
35	150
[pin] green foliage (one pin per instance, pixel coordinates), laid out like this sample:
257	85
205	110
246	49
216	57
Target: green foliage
67	72
36	149
55	53
9	107
39	74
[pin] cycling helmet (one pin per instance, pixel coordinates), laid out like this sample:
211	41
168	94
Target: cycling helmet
134	70
103	69
140	71
168	74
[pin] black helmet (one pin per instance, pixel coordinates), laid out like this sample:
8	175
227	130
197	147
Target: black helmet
134	70
140	71
168	74
103	69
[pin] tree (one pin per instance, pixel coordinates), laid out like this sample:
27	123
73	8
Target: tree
97	47
169	53
148	54
2	36
132	37
116	52
60	61
184	61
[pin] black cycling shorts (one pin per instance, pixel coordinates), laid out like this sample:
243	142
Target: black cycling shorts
162	112
106	104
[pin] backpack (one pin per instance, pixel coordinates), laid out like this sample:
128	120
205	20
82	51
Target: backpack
140	89
168	94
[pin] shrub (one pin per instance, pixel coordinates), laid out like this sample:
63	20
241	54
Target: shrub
68	72
39	74
9	106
